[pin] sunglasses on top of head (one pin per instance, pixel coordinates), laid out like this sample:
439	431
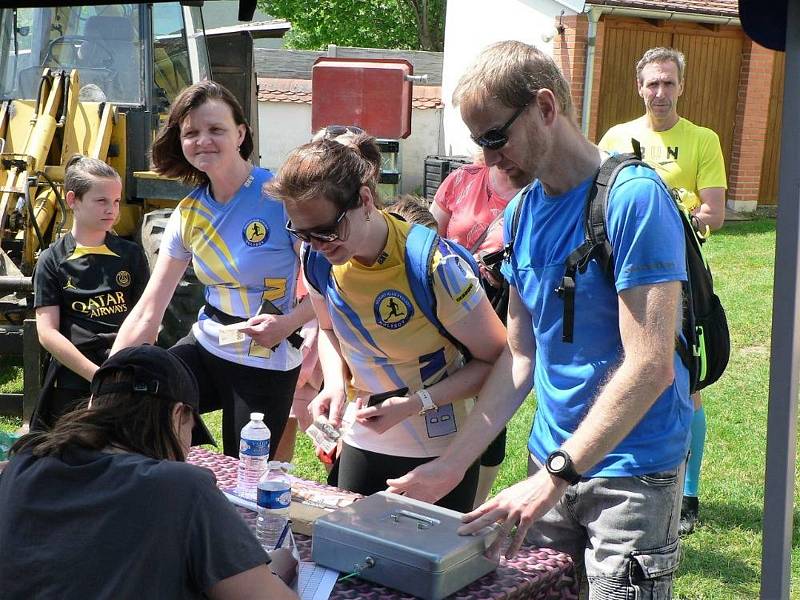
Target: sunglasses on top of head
326	234
334	131
497	137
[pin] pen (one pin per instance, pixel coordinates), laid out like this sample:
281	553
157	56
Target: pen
282	536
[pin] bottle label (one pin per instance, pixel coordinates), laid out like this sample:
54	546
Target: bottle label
274	499
254	447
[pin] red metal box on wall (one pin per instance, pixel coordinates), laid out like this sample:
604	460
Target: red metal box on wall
373	93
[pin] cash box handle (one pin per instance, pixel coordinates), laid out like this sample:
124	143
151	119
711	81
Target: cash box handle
423	522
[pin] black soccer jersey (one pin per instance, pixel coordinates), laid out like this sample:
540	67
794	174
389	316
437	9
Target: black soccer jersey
95	287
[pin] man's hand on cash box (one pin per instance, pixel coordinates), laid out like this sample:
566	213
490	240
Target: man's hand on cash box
429	482
516	508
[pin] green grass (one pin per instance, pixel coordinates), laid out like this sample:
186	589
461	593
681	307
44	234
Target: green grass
722	558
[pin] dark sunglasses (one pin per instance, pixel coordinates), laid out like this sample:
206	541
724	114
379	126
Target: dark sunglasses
322	234
495	138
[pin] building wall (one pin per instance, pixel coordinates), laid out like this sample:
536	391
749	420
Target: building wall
282	126
474	24
285	125
750	133
750	129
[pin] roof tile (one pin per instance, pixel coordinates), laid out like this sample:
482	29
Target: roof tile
272	89
726	8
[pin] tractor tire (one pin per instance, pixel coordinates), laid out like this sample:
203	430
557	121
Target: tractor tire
189	296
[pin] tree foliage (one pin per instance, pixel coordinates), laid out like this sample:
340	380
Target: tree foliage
397	24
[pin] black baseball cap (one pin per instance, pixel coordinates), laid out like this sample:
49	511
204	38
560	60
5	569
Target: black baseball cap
157	372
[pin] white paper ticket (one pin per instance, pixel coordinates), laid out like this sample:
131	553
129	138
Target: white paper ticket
231	334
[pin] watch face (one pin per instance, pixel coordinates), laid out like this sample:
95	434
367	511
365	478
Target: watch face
558	462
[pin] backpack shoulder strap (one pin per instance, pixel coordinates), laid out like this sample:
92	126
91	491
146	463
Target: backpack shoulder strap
597	205
509	247
596	244
316	268
421	244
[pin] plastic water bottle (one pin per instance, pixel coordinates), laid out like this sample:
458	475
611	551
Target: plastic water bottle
253	455
274	498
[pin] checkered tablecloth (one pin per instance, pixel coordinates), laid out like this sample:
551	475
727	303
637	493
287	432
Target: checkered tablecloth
533	574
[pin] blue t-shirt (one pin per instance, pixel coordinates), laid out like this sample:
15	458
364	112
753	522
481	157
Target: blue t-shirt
645	231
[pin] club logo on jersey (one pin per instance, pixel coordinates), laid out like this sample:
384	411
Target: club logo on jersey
392	309
123	279
255	232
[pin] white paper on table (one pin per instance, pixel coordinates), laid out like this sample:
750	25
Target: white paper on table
315	582
239	501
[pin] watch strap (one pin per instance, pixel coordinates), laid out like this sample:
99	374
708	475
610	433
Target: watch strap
567	472
427	402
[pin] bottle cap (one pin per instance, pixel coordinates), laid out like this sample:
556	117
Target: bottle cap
254	416
277	464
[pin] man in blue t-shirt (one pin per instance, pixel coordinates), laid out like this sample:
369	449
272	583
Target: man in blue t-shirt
610	434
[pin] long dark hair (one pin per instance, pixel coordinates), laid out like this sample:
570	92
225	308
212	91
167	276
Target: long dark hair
139	423
167	154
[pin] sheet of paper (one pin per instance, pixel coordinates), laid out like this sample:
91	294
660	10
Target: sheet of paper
315	582
231	334
239	501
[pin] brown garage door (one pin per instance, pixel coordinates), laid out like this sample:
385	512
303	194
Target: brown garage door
713	59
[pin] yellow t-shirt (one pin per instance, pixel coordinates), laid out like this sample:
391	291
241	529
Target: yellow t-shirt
686	156
388	343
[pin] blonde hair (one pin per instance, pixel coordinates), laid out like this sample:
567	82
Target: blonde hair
512	72
414	210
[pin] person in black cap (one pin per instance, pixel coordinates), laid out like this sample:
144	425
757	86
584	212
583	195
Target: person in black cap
103	505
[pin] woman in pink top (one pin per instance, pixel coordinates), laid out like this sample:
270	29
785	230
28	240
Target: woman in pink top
468	208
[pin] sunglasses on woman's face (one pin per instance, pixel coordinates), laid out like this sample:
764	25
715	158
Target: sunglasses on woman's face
322	234
329	233
496	137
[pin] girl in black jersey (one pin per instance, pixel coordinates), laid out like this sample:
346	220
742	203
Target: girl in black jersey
84	286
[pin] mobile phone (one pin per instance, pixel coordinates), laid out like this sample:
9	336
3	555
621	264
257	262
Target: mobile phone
376	399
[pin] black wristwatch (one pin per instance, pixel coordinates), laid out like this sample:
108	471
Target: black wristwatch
560	464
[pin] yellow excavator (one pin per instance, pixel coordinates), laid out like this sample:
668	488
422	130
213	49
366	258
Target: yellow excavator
95	79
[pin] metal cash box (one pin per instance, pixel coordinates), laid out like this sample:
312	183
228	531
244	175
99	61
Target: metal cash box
402	543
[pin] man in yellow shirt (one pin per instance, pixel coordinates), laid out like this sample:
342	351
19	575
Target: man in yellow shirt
689	159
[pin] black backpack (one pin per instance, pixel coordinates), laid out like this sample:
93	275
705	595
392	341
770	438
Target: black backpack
705	345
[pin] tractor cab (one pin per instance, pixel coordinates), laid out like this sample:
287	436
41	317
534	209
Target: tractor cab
115	49
96	79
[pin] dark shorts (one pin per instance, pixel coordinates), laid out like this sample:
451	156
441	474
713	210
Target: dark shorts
366	472
495	452
239	390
